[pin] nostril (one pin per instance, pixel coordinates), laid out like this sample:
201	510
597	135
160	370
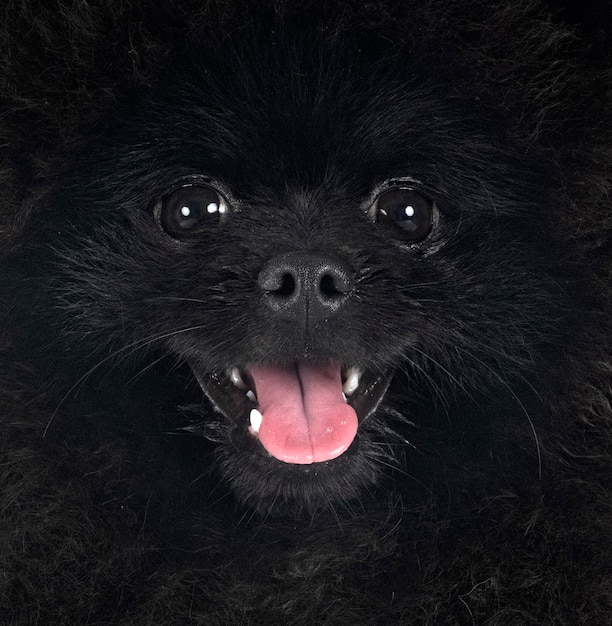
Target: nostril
328	287
335	281
287	286
277	280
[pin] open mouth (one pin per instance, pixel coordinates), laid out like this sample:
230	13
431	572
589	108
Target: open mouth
301	413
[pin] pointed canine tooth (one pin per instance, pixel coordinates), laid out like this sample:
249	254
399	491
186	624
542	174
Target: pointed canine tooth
251	395
236	378
344	397
352	381
255	418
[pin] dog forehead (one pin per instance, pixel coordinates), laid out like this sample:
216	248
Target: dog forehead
284	133
288	96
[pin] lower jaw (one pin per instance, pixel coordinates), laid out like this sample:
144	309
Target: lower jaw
271	487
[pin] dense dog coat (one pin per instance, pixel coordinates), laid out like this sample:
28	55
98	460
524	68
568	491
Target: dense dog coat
305	313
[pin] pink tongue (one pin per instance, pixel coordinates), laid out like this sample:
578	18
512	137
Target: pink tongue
305	417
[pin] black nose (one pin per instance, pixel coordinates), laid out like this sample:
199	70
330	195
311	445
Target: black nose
305	286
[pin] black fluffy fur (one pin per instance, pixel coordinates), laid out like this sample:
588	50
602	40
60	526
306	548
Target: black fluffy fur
480	490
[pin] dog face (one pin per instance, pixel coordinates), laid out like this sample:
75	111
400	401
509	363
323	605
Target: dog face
336	237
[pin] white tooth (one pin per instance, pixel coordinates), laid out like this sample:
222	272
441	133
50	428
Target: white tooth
352	381
344	397
256	418
251	395
236	378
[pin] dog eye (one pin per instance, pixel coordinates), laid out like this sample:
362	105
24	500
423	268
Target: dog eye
408	211
191	208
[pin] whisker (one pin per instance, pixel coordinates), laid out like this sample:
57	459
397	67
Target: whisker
518	401
125	351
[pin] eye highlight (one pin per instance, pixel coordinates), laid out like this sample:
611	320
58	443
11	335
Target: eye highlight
191	208
407	211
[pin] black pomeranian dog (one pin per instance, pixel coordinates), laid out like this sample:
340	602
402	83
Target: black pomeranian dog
305	313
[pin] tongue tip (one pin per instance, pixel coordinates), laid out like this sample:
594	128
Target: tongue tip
292	447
